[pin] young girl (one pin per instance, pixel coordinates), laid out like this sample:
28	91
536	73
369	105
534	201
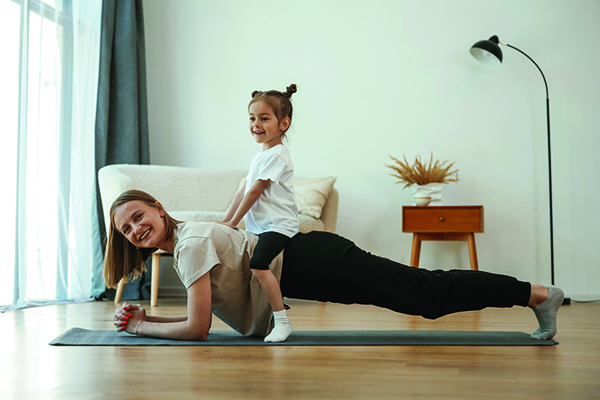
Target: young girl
267	200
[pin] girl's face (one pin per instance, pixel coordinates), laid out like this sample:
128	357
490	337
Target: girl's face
141	224
264	126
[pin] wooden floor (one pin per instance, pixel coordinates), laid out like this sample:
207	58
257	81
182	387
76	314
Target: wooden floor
31	369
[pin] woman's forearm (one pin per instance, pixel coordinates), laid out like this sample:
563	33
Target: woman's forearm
178	318
194	326
171	330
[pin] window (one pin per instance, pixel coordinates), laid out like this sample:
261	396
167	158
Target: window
39	112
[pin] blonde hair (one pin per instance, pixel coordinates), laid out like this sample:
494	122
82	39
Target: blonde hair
122	259
280	102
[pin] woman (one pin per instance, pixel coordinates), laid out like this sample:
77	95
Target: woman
213	263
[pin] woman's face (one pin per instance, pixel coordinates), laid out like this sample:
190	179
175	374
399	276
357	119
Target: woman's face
141	224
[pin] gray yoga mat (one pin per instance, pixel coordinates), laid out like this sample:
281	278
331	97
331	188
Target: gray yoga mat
84	337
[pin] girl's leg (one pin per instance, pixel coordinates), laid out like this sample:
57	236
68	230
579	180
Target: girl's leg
270	286
268	247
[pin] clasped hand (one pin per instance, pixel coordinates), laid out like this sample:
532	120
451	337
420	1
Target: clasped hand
129	317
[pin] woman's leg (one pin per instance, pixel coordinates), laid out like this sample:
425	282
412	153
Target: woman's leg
326	267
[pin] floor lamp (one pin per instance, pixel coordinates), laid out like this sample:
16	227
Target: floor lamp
488	52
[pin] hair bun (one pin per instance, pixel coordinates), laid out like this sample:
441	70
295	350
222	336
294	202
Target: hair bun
255	93
290	90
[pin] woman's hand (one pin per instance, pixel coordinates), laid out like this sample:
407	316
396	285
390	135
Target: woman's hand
129	317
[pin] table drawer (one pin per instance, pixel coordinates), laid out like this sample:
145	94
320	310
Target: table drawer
442	219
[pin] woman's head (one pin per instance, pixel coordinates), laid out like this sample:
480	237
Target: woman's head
138	226
280	106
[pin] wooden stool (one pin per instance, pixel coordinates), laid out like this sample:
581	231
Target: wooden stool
154	283
444	223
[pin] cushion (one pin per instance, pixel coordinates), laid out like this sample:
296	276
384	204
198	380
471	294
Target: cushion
312	193
308	224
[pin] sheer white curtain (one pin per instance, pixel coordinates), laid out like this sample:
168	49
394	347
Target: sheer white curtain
49	78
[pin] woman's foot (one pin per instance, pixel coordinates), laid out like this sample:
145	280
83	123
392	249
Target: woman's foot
546	313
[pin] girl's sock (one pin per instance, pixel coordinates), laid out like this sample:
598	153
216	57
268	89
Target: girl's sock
546	312
282	328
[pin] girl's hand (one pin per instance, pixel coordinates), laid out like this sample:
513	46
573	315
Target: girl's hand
129	317
227	223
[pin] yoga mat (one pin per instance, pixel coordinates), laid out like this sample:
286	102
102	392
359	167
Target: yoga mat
84	337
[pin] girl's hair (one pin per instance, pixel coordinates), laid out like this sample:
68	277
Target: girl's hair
280	102
122	258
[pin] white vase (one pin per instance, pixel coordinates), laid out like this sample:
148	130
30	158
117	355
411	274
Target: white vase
432	190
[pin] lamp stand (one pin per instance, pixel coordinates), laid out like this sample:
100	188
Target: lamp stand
566	300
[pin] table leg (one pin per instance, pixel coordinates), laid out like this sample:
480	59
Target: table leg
472	252
120	288
155	276
416	251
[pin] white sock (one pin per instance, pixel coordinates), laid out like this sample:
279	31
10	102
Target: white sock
282	328
546	312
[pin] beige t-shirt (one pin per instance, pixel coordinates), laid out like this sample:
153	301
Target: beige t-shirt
237	296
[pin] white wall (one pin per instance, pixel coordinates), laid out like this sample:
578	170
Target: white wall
396	77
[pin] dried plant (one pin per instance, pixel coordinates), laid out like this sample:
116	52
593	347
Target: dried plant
422	174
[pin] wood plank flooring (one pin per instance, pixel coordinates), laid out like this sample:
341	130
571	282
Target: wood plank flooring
31	369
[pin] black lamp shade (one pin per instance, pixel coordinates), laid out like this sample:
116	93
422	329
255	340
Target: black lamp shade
487	51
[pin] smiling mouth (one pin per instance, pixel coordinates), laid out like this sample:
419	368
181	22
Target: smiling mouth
144	235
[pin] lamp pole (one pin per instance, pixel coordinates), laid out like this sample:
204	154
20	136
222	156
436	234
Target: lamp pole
488	52
549	160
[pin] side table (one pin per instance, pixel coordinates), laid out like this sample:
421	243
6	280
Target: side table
445	223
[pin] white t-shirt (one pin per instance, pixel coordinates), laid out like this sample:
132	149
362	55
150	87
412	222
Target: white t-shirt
276	209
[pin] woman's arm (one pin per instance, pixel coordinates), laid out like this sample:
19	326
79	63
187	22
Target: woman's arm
127	308
193	327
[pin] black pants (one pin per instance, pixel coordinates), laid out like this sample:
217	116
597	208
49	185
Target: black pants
268	247
326	267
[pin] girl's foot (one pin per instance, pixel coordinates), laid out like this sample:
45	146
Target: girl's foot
282	328
279	333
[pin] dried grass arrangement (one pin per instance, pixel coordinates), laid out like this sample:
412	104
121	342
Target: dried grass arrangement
422	174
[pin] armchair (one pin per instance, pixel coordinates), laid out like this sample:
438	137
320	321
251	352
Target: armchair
195	194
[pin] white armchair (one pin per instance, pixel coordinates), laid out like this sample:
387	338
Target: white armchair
195	194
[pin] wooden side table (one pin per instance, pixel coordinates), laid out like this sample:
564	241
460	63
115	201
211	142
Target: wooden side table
455	223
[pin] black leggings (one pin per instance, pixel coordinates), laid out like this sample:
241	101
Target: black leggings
268	247
325	267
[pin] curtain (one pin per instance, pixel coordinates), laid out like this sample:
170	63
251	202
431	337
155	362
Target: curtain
49	75
122	113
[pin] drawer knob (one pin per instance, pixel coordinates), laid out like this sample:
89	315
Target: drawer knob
441	218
